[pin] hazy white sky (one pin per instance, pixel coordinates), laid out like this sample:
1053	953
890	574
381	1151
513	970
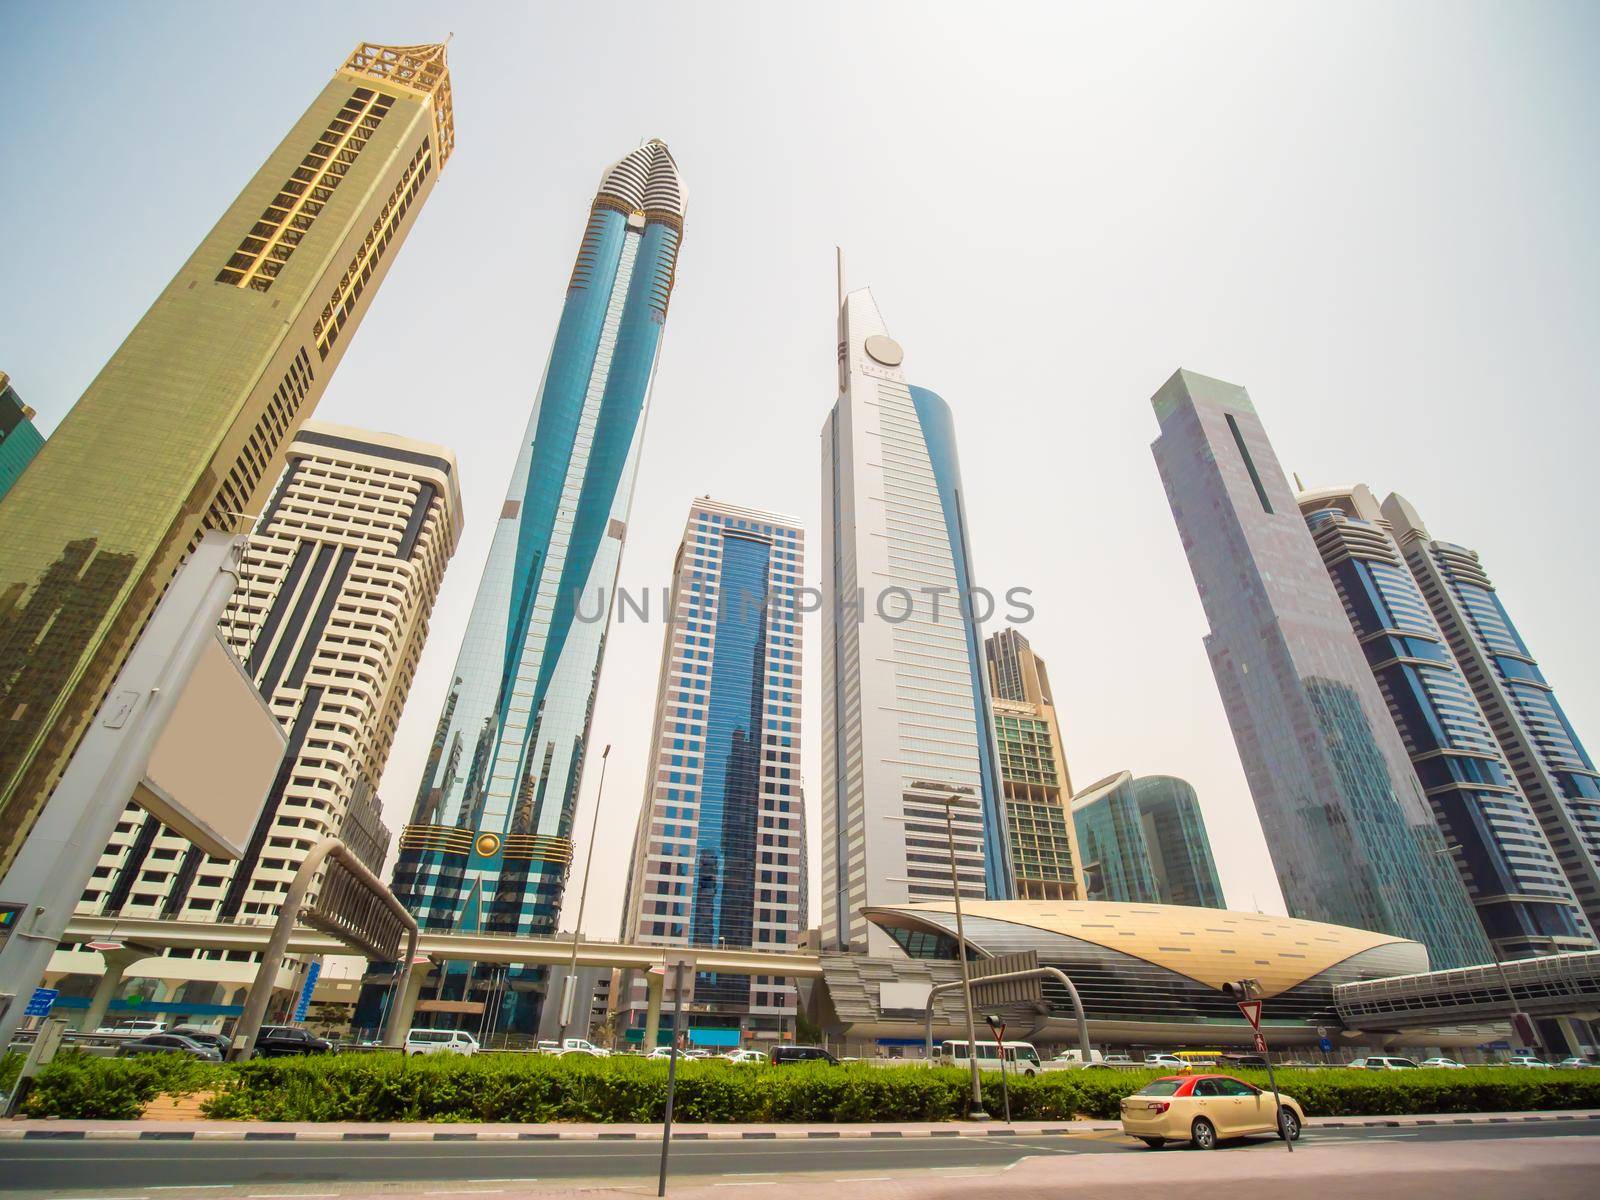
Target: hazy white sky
1380	218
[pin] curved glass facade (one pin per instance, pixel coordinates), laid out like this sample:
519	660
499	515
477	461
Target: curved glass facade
488	844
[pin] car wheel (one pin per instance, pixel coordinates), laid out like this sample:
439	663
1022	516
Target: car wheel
1154	1143
1288	1126
1204	1134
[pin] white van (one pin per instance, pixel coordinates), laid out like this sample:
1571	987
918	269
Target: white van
1072	1060
440	1041
1020	1056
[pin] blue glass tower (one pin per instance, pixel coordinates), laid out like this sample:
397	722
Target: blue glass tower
487	848
718	854
1518	887
1555	771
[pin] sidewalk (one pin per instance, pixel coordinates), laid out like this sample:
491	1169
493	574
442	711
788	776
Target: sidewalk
243	1131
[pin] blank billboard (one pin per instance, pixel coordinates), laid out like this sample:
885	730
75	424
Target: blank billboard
215	760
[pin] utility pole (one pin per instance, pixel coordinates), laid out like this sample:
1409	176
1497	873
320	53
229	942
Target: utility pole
571	987
975	1110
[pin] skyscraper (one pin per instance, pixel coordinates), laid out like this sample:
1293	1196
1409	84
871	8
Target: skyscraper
329	618
1351	834
717	856
487	848
1521	894
1033	771
19	440
1176	839
201	399
1111	837
1555	772
906	716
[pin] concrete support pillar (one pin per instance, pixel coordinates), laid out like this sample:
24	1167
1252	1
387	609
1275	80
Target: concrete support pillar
117	964
404	1008
653	985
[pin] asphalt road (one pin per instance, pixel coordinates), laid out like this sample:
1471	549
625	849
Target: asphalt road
155	1170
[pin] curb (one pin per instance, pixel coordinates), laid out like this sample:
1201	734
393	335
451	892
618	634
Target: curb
799	1133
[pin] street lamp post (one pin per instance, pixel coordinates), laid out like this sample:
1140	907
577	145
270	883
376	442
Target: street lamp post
975	1104
1450	848
569	993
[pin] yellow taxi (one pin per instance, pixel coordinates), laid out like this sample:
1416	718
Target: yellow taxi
1205	1110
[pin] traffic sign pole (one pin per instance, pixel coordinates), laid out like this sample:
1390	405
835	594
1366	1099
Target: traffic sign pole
1252	1013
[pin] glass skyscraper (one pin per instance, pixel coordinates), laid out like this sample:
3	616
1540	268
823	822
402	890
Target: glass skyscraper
1555	772
202	398
907	722
1175	836
1522	895
487	848
1351	833
1111	840
718	855
19	439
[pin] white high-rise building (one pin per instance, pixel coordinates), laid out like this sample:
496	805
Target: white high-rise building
329	618
719	853
906	714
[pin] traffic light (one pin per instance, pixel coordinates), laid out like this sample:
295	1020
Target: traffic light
1242	989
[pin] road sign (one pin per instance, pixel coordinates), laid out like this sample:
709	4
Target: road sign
1252	1012
39	1005
1325	1045
1261	1043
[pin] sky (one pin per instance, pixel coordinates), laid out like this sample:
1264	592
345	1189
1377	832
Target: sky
1379	218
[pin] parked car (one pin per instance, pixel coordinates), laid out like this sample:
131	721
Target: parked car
1165	1062
782	1055
440	1041
581	1046
1205	1110
1072	1060
1574	1063
1527	1060
1243	1062
1118	1060
548	1047
137	1028
661	1053
1382	1062
281	1041
169	1043
746	1058
206	1037
1448	1064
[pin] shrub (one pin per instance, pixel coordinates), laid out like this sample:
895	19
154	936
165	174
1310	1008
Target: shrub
87	1087
537	1089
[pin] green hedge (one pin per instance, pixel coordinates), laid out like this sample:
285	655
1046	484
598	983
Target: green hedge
115	1089
539	1089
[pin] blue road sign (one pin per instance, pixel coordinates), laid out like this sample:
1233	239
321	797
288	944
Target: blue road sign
39	1004
301	1008
1324	1045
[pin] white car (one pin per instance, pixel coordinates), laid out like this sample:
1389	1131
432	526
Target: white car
1527	1060
660	1053
1165	1062
580	1046
1448	1064
1574	1063
746	1058
1382	1062
135	1028
440	1041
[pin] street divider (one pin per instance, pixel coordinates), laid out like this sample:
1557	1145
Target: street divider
540	1089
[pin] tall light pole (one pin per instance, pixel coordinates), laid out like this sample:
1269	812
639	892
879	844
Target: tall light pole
568	993
975	1103
1450	848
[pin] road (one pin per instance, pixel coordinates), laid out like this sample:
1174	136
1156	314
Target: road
157	1170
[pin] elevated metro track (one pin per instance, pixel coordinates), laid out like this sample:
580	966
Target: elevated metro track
157	935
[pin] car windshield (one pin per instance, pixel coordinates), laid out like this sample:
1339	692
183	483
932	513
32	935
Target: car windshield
1161	1087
